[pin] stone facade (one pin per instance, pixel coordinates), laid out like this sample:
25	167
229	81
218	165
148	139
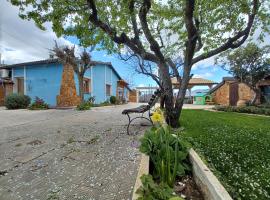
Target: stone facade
221	96
68	95
245	92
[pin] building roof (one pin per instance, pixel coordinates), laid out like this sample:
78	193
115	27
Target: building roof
56	60
47	61
200	95
224	79
195	81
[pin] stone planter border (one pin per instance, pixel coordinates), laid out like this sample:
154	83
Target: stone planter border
204	178
143	169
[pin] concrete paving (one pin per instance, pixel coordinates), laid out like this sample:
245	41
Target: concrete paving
67	154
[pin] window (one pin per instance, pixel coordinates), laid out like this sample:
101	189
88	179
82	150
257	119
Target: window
108	90
86	85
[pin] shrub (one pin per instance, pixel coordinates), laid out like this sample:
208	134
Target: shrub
113	99
86	105
260	110
17	101
38	104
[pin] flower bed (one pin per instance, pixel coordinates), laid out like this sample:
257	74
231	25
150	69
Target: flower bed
170	170
236	147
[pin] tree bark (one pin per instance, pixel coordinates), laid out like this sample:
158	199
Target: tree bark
171	114
81	92
162	102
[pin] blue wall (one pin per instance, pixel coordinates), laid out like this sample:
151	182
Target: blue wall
44	81
18	72
98	87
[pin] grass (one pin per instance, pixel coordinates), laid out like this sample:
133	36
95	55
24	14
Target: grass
236	147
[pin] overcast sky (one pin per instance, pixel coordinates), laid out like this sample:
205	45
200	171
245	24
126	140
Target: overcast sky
22	41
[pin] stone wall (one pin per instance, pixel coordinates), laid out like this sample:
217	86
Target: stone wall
68	95
245	93
221	95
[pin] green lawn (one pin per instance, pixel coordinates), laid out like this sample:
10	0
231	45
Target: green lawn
236	147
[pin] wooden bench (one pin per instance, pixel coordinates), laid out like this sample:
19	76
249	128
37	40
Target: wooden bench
142	110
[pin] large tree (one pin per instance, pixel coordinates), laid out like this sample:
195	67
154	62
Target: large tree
156	32
249	64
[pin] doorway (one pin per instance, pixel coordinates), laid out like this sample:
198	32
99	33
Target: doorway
20	85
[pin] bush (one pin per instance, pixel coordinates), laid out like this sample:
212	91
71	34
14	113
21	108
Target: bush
260	110
17	101
38	104
86	105
113	99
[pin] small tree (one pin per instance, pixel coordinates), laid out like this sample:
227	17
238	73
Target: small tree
80	65
156	32
248	64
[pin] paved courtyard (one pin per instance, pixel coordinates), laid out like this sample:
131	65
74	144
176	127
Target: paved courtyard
67	154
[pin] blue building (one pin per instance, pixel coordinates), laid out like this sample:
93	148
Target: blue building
46	79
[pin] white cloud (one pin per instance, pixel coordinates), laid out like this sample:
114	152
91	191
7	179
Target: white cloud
203	75
21	40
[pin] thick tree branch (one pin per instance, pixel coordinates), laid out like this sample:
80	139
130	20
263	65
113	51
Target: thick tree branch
154	46
235	41
111	32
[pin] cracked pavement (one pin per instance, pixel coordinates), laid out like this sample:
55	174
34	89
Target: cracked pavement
67	154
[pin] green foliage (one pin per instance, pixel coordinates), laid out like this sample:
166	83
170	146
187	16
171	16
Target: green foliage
219	20
260	110
153	191
105	103
17	101
248	64
38	104
235	146
86	105
113	99
167	153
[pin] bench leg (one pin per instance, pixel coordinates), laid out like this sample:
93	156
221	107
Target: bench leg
131	120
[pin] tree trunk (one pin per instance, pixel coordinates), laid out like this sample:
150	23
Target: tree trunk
162	102
171	114
81	92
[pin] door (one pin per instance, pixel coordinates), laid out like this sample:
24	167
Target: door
20	85
233	94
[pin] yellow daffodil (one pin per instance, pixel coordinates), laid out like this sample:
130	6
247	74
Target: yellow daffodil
157	117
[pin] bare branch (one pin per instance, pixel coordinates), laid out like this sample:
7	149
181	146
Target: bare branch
235	41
